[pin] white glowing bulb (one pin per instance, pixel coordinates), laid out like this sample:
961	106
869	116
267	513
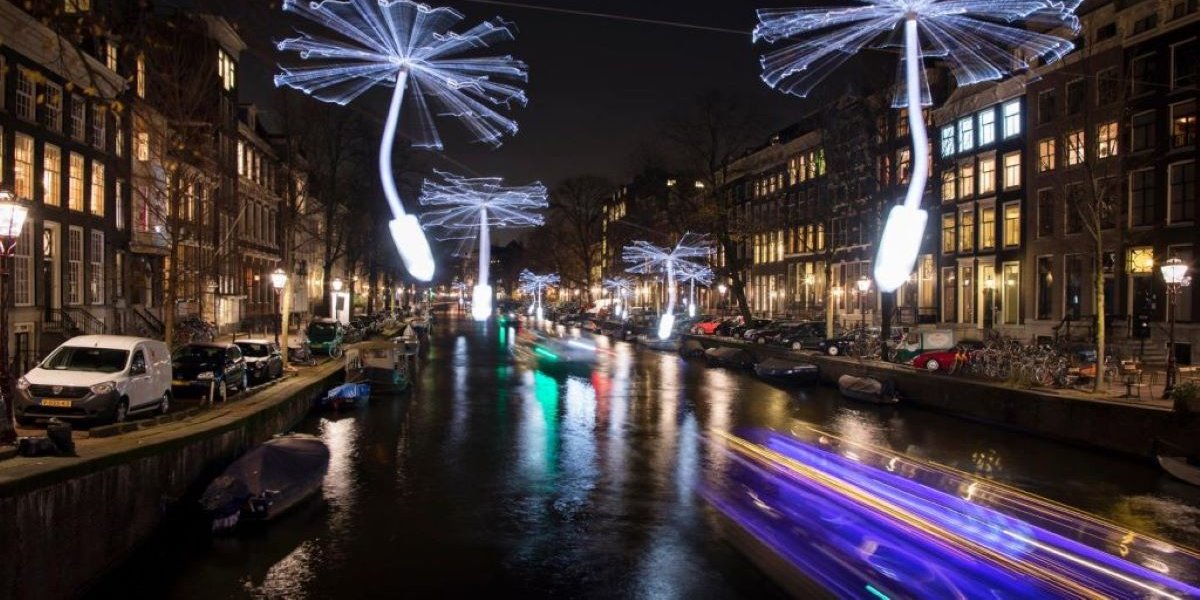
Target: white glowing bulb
413	247
481	302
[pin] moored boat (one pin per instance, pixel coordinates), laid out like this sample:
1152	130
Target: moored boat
691	349
266	481
1181	468
382	364
670	344
729	357
346	396
787	370
867	389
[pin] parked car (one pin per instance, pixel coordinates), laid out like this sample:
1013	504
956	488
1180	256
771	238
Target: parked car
264	361
803	336
707	326
754	327
325	336
944	360
97	378
771	332
203	367
835	346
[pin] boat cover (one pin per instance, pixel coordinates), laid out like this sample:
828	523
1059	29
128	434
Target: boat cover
289	466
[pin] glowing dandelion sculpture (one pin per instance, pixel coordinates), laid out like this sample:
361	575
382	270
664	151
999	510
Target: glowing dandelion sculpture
619	287
533	284
410	47
464	206
694	273
976	40
645	257
460	290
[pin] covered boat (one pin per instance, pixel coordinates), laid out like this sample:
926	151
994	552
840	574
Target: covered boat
346	396
867	389
382	364
729	357
1181	467
266	481
652	342
691	349
787	370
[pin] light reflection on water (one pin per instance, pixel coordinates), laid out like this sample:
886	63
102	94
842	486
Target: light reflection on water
496	479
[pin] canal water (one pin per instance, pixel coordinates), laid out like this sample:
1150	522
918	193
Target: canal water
492	479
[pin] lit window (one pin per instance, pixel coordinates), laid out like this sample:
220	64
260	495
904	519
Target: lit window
226	70
110	55
1012	118
987	175
26	91
949	186
1012	224
1075	147
140	76
118	136
966	180
948	141
52	104
902	165
1106	140
966	230
119	204
97	199
1141	260
1047	154
987	126
1012	170
987	227
1183	124
23	166
76	6
141	145
75	265
96	267
966	134
948	233
51	174
75	183
98	126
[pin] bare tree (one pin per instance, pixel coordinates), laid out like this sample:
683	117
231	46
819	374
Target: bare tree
575	218
707	136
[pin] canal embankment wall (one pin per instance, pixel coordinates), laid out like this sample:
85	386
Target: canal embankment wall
65	521
1122	427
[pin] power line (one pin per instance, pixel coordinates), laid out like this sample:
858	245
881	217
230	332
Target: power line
615	17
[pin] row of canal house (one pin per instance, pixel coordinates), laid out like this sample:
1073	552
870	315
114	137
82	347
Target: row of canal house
85	136
1030	175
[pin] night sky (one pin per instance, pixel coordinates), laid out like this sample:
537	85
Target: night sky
598	89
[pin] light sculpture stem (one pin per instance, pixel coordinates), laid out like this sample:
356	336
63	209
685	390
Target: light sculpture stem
481	305
916	120
692	298
901	239
405	229
666	322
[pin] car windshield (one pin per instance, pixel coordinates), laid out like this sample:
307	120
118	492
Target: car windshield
96	360
254	349
322	330
199	354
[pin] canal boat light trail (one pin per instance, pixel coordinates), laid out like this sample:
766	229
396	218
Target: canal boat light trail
856	504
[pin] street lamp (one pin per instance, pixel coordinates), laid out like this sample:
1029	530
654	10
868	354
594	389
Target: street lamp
279	279
336	286
12	220
1175	275
864	286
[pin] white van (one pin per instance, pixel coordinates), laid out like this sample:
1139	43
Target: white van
97	378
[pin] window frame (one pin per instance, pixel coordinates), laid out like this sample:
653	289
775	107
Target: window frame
1005	234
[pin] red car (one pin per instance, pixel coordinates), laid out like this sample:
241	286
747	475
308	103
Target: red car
947	360
707	326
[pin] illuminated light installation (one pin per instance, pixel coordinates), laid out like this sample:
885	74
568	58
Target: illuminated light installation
532	283
460	290
974	38
463	205
619	287
693	274
408	46
648	258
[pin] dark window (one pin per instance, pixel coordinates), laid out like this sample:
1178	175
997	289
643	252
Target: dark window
1045	282
1184	58
1183	191
1145	23
1074	276
1075	199
1141	131
1046	106
1075	90
1105	32
1108	86
1141	75
1141	197
1045	212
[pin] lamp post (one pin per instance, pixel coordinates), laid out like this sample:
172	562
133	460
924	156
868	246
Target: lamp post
278	280
724	305
336	286
1175	275
864	286
12	220
990	284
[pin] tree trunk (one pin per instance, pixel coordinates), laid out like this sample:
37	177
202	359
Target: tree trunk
170	271
285	309
887	303
737	287
1098	381
829	301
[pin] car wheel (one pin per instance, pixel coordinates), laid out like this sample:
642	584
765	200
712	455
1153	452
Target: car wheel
222	392
335	352
164	405
121	411
245	385
932	365
760	340
797	346
833	350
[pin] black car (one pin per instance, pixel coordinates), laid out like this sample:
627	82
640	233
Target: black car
737	330
264	361
771	332
199	368
837	346
805	336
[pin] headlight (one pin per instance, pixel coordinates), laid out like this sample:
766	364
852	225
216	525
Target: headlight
22	384
205	375
103	388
